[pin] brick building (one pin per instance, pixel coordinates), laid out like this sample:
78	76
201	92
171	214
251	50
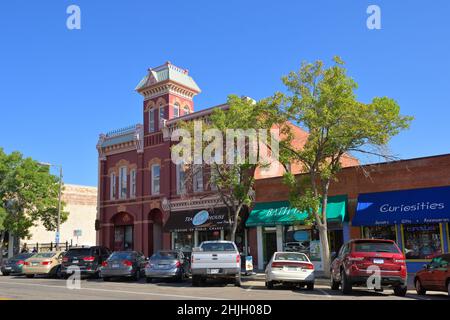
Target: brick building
411	198
143	201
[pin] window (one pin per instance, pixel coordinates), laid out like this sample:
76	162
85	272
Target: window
151	120
112	184
123	182
213	179
198	178
375	246
155	178
181	176
218	246
186	110
162	114
380	232
133	183
422	241
176	110
183	241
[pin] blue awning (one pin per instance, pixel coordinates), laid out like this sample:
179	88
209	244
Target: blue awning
416	206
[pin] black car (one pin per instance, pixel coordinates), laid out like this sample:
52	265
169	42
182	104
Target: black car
14	265
87	259
129	264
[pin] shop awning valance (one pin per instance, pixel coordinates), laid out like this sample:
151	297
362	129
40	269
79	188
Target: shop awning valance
208	219
416	206
281	213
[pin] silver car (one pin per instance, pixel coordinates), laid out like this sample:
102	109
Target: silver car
123	264
167	264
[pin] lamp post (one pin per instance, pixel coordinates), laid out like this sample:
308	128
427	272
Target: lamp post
58	223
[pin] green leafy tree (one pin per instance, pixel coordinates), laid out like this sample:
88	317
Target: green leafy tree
28	195
234	181
322	101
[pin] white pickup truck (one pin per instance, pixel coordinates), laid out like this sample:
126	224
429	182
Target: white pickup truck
216	259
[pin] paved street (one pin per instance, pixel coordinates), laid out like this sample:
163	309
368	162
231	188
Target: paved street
12	287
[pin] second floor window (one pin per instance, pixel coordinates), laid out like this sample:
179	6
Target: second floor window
123	182
198	179
112	192
176	110
162	114
155	178
186	110
151	120
133	183
181	187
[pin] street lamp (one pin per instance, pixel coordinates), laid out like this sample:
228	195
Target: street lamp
59	199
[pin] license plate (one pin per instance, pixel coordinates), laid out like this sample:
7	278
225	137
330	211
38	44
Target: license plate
35	264
115	265
75	261
213	271
378	261
8	268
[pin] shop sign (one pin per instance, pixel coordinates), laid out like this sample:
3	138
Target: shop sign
200	218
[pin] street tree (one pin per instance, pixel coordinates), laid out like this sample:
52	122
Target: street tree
322	101
231	150
28	196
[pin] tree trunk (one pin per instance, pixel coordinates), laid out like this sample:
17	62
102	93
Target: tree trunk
2	240
325	250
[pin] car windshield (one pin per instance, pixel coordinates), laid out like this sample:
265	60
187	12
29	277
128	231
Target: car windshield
78	252
218	246
121	256
374	246
44	255
291	256
164	255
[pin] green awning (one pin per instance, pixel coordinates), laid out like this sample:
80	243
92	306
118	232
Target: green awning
281	213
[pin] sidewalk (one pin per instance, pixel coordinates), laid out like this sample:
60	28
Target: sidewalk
320	278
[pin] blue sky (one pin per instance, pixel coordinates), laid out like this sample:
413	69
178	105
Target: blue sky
60	88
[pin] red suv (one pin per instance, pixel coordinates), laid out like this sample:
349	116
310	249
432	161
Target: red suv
361	260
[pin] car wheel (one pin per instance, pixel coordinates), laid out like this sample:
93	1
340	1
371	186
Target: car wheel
400	291
448	288
310	286
269	285
237	281
5	273
419	288
333	283
346	286
148	280
137	275
29	275
106	279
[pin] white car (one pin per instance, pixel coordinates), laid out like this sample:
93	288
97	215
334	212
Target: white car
290	268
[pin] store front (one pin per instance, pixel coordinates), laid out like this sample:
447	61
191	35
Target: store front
123	232
280	227
189	228
416	219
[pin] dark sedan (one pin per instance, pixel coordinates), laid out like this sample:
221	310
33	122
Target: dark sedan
167	264
14	265
121	264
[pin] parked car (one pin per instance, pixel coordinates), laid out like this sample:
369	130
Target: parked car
43	263
359	259
88	259
14	265
216	260
290	268
435	276
167	264
128	264
302	247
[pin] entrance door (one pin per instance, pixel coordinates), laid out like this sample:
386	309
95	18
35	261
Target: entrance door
123	238
270	244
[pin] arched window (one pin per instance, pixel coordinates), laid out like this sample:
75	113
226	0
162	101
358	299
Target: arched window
186	110
176	110
162	114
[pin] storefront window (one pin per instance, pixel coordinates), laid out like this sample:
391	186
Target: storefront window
183	241
208	235
379	232
422	241
123	238
297	239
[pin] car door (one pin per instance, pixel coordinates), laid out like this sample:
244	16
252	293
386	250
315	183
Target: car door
440	274
428	278
338	261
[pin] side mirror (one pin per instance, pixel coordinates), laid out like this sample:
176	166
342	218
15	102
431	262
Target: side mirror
426	266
